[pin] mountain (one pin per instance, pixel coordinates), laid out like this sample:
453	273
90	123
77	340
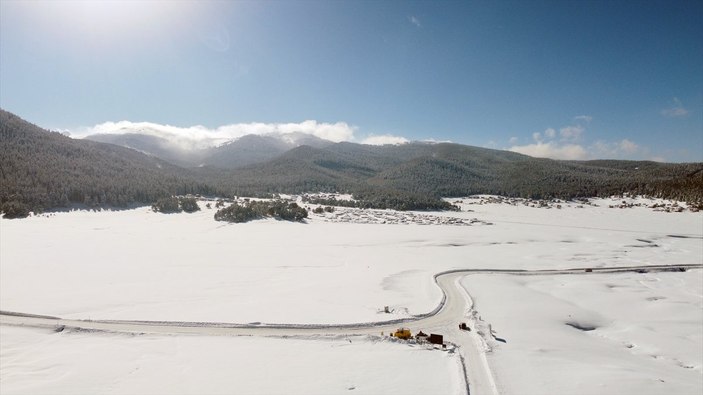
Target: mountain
155	146
41	169
445	169
252	148
243	151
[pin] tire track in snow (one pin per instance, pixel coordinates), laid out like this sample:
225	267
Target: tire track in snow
452	309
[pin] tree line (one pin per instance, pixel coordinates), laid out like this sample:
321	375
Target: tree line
257	209
42	170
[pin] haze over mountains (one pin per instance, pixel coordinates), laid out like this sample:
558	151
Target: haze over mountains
42	170
238	152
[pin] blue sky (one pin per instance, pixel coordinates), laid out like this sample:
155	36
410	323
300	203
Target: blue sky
561	79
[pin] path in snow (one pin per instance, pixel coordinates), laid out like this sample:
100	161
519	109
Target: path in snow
455	307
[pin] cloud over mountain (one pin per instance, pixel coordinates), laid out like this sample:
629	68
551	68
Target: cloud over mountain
198	137
384	140
552	150
568	144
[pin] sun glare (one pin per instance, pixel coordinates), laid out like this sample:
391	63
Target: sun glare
99	24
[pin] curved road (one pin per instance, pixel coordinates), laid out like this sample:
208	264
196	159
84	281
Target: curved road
443	319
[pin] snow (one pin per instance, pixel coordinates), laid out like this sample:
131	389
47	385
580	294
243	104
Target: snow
139	265
644	332
136	264
36	361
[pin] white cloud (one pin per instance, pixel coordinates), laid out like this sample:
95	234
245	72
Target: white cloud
435	141
215	36
548	134
570	145
623	149
415	21
628	146
198	136
384	139
583	118
571	133
552	150
336	132
676	110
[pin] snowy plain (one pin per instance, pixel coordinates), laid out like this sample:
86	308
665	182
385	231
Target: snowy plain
624	333
38	361
136	264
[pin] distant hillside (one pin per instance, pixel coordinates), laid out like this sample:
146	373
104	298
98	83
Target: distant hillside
449	170
155	146
41	169
246	150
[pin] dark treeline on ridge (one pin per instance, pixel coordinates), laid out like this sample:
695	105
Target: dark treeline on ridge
41	170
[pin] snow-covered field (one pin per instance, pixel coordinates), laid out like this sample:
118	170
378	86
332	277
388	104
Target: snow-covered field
36	361
136	264
625	333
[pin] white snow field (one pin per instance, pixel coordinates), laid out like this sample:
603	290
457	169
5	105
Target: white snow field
36	361
140	265
624	333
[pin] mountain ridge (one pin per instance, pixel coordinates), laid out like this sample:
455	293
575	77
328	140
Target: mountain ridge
41	169
234	153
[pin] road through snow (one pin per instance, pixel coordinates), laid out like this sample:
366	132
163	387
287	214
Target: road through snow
456	306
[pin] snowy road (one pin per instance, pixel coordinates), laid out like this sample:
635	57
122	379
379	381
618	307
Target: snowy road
444	319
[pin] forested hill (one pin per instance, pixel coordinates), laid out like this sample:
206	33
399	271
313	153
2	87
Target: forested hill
452	170
41	169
